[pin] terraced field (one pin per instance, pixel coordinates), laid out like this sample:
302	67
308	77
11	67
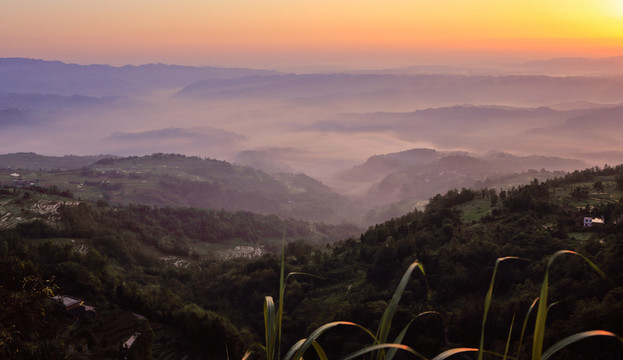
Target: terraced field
13	211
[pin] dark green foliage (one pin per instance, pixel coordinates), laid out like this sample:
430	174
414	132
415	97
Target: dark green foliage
451	198
618	178
24	304
580	192
214	304
51	190
494	197
534	197
170	229
36	229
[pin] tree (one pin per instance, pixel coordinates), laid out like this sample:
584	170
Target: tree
580	192
599	186
494	197
619	180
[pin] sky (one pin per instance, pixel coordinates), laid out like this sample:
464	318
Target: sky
283	34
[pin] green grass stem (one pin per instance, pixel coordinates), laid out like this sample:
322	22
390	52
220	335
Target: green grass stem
386	321
273	317
525	325
488	302
320	351
382	350
392	352
297	350
282	289
270	327
541	316
508	339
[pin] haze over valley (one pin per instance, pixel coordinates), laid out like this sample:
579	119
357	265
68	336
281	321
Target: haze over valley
318	124
356	132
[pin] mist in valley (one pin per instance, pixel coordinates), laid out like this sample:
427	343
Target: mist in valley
485	123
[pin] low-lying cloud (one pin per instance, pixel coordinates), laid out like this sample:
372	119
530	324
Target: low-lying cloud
318	124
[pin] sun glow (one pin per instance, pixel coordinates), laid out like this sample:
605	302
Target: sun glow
612	8
199	31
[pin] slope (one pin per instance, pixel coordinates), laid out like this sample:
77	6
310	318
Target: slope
177	180
457	238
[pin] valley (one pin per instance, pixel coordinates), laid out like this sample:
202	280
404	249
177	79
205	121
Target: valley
193	192
164	264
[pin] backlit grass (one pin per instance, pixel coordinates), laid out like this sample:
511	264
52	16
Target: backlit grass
381	348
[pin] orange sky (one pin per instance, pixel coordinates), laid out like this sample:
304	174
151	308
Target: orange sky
278	33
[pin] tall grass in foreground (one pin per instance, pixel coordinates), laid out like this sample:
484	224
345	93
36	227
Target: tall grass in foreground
381	349
541	315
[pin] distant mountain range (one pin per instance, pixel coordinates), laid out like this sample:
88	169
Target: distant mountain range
22	75
575	65
395	181
463	128
429	161
32	161
432	90
222	112
52	101
35	110
556	67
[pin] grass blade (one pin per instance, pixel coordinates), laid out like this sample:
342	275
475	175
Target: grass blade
270	323
577	337
297	350
377	347
488	303
392	352
386	321
320	351
508	340
541	315
302	273
282	296
525	324
282	289
294	348
448	353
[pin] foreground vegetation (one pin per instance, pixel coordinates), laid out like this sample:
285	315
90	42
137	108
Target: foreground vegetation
211	308
387	350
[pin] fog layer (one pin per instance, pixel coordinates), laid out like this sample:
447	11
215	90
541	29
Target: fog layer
317	124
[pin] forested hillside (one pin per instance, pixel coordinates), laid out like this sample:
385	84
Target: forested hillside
209	307
383	187
34	161
184	181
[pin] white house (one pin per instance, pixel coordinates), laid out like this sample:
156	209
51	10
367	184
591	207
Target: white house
589	221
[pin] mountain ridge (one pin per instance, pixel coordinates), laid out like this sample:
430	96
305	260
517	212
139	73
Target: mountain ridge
178	180
24	75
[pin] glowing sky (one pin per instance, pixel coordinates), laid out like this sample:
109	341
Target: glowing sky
273	33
